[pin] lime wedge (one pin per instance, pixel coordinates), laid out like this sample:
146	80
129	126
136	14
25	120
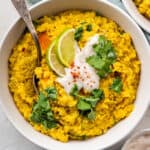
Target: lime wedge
53	60
65	47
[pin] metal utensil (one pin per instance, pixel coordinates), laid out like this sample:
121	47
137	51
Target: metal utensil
23	11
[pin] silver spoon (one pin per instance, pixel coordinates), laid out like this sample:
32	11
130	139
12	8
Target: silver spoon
23	11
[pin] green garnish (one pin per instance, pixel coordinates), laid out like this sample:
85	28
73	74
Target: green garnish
97	93
91	115
117	85
87	104
83	105
42	112
79	30
103	59
89	27
78	33
51	93
74	91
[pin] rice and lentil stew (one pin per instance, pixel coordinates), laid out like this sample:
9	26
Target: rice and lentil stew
78	115
143	7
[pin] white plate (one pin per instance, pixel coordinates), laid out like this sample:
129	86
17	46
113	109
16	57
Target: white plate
139	18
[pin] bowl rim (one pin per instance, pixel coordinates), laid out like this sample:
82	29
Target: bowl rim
10	118
136	15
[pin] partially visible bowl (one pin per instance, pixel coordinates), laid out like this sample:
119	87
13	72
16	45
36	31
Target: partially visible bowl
138	140
139	18
120	131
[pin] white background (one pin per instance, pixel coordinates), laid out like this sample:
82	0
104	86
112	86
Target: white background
10	139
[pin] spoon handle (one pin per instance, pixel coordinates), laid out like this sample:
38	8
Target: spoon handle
23	11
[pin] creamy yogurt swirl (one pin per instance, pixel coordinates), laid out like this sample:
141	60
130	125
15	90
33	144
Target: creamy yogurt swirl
81	73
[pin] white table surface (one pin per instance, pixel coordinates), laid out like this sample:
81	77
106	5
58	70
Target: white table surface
10	139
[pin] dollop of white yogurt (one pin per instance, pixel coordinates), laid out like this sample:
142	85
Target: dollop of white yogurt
81	73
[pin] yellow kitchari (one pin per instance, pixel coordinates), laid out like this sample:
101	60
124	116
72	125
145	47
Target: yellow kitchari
113	108
144	7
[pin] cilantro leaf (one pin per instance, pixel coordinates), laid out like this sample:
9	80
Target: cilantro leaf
83	105
117	85
50	125
91	115
89	27
41	111
103	59
51	93
91	100
74	90
87	103
98	93
96	96
96	62
78	33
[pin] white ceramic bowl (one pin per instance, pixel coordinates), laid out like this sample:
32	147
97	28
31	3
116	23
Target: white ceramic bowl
135	136
120	131
139	18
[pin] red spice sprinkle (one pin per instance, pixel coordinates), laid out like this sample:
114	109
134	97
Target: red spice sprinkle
75	74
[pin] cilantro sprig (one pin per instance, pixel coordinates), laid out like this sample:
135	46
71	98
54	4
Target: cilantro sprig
41	112
104	57
117	85
78	33
86	104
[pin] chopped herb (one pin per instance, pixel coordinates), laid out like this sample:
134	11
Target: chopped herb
104	73
74	90
91	100
91	115
89	27
97	93
83	105
78	33
51	93
87	104
96	62
117	85
103	59
42	112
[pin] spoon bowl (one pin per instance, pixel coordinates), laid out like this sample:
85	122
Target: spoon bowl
23	11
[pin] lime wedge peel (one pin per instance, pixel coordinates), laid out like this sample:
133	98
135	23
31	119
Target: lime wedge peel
53	60
65	46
